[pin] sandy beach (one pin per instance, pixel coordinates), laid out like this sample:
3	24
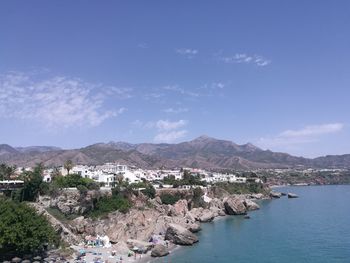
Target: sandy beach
102	254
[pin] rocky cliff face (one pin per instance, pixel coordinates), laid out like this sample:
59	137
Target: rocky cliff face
175	223
72	202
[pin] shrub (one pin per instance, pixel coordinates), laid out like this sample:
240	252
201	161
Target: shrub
106	205
169	199
22	230
149	191
82	189
197	198
242	188
73	180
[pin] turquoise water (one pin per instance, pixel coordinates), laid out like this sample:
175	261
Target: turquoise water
312	228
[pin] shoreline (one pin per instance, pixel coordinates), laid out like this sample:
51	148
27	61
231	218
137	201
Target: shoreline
94	252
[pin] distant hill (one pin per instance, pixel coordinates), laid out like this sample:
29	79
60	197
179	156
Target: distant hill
37	149
203	152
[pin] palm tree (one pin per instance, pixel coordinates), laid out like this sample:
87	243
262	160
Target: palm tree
68	165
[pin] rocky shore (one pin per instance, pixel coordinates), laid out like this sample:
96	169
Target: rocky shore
152	226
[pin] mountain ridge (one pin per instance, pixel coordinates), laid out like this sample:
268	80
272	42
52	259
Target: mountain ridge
202	152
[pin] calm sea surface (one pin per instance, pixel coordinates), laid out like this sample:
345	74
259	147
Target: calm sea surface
312	228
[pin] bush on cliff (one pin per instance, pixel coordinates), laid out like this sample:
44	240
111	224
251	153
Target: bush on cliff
22	230
73	180
169	198
147	188
197	199
105	205
188	179
242	188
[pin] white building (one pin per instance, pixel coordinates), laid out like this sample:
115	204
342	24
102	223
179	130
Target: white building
219	177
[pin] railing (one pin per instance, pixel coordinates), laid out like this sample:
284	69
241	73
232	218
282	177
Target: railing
10	185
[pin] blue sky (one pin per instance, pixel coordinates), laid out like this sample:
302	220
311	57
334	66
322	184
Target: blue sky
273	73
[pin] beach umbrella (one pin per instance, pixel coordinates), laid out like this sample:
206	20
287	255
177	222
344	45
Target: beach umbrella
16	259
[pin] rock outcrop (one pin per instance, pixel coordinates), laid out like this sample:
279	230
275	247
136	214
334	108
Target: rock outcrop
250	205
180	235
206	216
235	206
65	233
257	196
275	195
159	250
291	195
71	201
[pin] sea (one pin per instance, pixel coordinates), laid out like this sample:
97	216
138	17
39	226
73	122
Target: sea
313	228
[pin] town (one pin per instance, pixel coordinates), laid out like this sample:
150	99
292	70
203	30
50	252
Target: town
108	174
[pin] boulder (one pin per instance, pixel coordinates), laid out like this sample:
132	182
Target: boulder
257	196
180	235
194	228
159	250
218	203
206	216
235	206
142	245
250	205
275	194
291	195
181	207
196	213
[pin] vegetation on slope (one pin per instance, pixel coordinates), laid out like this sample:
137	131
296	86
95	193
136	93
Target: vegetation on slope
22	230
240	188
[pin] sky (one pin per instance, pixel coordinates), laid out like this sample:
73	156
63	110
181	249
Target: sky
273	73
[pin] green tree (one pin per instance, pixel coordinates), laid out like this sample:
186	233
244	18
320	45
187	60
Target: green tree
22	230
68	165
6	171
197	197
55	173
32	184
149	191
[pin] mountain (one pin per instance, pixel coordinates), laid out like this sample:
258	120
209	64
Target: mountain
6	149
203	152
37	149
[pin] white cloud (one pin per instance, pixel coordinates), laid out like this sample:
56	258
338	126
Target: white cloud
166	131
55	102
168	125
218	85
170	136
120	93
177	89
314	130
160	125
175	110
307	134
246	59
143	45
188	52
143	125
